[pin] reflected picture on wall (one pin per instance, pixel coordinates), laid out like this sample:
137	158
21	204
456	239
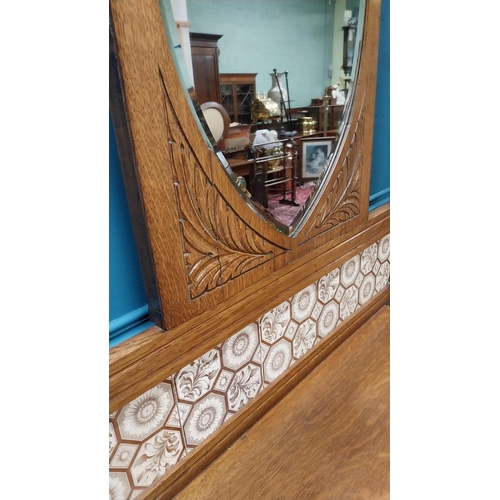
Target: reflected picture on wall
314	157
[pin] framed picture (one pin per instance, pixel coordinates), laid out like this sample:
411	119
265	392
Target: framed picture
315	152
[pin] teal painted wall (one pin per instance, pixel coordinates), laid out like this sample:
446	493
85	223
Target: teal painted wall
260	35
380	178
127	298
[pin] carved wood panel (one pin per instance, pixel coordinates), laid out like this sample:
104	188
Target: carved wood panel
218	244
206	244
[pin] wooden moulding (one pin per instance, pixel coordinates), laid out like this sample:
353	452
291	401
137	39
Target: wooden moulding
204	454
201	246
145	360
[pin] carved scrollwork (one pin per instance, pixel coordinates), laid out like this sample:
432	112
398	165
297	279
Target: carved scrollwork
218	244
343	201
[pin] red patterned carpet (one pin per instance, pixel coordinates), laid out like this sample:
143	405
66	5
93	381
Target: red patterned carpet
286	213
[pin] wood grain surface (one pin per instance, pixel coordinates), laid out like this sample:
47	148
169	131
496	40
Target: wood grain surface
146	359
327	439
203	243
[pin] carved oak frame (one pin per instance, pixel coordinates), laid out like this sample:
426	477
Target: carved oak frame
209	262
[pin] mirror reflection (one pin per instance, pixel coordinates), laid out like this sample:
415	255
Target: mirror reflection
278	73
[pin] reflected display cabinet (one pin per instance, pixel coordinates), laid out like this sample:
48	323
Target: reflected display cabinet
237	92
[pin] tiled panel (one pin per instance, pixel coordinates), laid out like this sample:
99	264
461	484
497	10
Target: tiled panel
145	441
156	430
218	384
275	347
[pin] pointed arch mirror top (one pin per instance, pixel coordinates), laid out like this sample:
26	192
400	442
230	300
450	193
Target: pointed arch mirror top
199	241
289	201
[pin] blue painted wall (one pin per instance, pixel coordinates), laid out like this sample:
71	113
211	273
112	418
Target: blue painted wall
264	34
127	298
380	179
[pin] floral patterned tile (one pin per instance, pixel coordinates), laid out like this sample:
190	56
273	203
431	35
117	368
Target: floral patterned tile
276	349
152	433
145	441
218	384
346	289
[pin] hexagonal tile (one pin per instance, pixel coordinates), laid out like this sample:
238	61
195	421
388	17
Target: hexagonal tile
328	319
247	383
206	417
327	286
382	276
303	303
349	271
349	302
239	349
304	338
277	360
119	487
368	258
198	378
147	413
384	248
274	323
367	288
156	456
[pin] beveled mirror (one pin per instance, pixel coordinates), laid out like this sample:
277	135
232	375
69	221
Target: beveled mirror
281	187
201	244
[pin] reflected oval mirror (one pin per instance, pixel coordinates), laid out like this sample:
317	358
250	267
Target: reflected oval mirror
282	72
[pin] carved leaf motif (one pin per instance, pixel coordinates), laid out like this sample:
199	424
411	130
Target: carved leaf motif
343	201
218	244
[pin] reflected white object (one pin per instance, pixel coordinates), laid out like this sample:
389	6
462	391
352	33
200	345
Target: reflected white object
338	94
264	136
217	119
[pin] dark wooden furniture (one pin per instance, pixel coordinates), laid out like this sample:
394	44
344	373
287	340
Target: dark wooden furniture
268	175
237	93
205	58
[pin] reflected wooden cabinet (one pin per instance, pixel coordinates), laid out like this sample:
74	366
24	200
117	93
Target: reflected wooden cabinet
205	58
237	92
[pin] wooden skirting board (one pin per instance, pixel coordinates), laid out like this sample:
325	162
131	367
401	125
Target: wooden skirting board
203	455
